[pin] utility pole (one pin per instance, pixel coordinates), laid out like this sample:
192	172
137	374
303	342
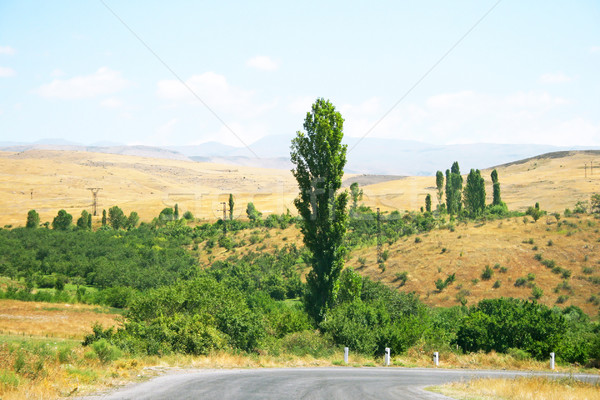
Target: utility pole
585	169
379	257
224	217
95	196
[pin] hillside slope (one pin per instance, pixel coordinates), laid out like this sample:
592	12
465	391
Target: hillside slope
50	180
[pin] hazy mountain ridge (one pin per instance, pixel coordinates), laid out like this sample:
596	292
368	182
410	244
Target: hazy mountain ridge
373	156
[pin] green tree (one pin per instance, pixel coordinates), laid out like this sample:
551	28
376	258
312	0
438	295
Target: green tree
439	184
497	201
428	203
320	157
176	212
89	221
252	213
117	218
62	221
82	222
474	194
454	183
231	204
356	193
133	220
33	219
167	214
103	217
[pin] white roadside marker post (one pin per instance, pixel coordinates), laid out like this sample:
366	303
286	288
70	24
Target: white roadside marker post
387	356
436	358
552	361
346	355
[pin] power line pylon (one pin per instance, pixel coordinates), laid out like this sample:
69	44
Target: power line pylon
224	217
95	203
379	255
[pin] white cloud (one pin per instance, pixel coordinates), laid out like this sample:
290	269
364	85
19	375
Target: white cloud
263	63
557	77
6	72
102	82
471	117
214	90
7	50
111	103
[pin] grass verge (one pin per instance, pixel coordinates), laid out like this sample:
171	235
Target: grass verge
521	388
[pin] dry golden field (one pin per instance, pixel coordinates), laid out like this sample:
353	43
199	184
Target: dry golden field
57	320
50	180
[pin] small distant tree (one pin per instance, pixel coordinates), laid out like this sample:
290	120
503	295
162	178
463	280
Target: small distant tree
428	203
167	214
117	218
252	213
497	201
439	184
231	204
176	212
454	183
82	222
103	217
33	219
89	221
474	194
188	216
62	221
535	212
356	193
133	220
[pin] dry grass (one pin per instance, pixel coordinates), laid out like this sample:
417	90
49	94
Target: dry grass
522	388
59	180
501	244
71	321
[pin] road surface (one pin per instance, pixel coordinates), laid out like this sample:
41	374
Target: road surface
345	383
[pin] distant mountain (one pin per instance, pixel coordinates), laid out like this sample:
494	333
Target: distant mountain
375	156
369	156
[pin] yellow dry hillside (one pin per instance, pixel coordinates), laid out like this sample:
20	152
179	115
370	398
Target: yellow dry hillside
48	181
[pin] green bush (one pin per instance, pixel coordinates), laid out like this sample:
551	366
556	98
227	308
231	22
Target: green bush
105	351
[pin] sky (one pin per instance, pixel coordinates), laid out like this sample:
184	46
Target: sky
188	72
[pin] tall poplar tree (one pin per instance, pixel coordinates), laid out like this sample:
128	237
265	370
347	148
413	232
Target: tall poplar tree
496	201
319	158
474	195
439	184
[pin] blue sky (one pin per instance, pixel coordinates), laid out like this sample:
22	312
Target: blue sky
527	73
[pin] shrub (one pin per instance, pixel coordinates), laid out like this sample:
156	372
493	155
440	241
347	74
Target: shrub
487	273
418	240
520	282
497	284
536	292
531	276
502	324
105	351
503	269
402	277
549	263
538	257
562	298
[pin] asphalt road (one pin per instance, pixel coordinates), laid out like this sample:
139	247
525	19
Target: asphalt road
303	383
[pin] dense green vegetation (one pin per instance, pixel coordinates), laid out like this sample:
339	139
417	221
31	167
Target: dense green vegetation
252	301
